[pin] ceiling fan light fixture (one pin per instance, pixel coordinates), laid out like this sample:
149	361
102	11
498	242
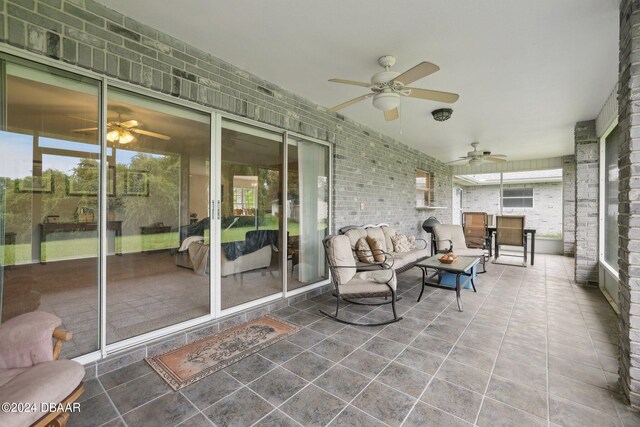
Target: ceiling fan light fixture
120	136
113	135
442	114
386	101
126	137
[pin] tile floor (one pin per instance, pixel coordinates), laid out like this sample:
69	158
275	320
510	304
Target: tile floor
531	348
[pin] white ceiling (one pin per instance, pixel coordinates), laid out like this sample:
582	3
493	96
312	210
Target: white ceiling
526	71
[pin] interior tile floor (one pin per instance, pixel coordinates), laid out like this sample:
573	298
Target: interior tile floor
530	348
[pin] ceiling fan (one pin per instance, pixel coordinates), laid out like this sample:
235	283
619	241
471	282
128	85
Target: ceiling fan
388	86
123	132
476	156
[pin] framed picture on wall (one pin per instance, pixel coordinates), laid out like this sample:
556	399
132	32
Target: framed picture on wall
136	183
38	182
85	181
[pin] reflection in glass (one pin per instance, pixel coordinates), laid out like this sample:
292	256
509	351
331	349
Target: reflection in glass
307	211
49	235
159	155
250	257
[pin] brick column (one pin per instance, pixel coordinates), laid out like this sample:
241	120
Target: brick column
629	199
569	205
586	206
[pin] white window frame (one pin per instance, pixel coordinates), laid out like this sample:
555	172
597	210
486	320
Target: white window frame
503	198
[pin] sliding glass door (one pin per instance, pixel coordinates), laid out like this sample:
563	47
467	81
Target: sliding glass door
158	205
105	209
49	199
307	211
251	214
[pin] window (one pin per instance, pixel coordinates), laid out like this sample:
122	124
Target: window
517	197
610	212
424	189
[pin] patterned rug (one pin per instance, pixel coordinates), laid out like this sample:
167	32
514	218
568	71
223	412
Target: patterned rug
192	362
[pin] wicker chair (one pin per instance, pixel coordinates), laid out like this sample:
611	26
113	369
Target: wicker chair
510	232
351	286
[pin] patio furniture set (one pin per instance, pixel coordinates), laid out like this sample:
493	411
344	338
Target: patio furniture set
364	261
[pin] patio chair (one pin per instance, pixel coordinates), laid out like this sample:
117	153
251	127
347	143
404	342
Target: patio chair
450	238
510	232
474	225
351	286
31	372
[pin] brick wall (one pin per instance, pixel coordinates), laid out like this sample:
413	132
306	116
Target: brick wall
629	197
569	204
368	167
545	216
586	191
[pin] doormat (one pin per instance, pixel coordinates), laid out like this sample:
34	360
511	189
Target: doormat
191	362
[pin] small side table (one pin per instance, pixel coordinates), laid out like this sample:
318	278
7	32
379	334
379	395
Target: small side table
462	268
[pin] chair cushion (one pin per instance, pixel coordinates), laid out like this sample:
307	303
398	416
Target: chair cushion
369	283
402	258
388	235
46	382
451	232
339	254
363	251
376	246
421	254
7	375
354	234
26	339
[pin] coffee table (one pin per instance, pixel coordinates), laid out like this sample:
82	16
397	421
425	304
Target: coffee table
461	268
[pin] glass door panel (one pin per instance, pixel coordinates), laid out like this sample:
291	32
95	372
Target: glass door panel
307	211
251	214
159	162
49	199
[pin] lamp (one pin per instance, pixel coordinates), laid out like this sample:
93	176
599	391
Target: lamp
386	101
120	136
442	114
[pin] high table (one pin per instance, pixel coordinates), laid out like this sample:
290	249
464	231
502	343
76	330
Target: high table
463	266
529	231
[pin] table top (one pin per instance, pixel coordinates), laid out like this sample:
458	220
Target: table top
492	229
462	264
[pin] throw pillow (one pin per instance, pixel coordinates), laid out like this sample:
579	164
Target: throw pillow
376	248
412	242
363	251
400	243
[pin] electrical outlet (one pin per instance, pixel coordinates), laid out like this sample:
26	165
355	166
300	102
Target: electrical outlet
361	206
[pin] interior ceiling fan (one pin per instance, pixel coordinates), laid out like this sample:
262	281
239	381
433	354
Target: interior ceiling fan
123	132
476	156
388	87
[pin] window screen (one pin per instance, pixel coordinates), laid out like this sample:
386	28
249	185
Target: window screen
517	197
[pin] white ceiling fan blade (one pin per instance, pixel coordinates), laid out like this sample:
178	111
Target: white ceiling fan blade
152	134
391	114
350	82
494	159
421	70
130	124
84	130
348	103
433	95
457	160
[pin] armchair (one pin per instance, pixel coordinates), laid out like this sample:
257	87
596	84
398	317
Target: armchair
350	285
30	371
450	238
476	234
